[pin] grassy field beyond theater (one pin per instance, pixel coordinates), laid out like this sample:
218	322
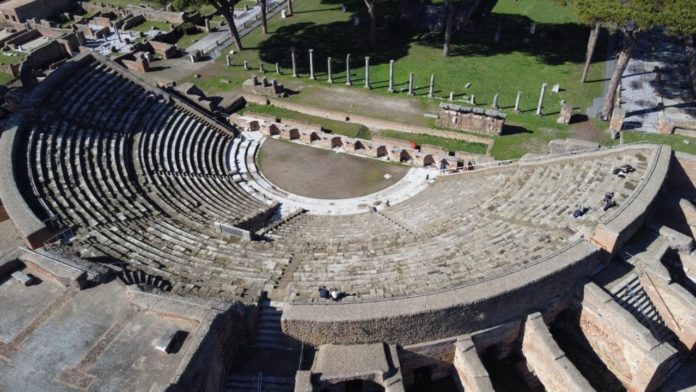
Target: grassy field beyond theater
519	61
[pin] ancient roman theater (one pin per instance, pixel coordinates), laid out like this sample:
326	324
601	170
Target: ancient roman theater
174	250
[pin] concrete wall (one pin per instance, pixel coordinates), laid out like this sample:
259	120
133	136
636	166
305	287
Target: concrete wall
421	318
625	346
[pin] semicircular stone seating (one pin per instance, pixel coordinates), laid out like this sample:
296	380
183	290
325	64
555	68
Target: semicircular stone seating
142	182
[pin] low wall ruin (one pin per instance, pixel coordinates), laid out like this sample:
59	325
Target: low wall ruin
488	122
354	146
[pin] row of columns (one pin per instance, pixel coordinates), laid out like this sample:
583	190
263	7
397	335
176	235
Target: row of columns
391	80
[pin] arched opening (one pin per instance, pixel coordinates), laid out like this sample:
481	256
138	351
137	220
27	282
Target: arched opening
314	137
336	142
254	125
273	129
429	160
359	145
406	156
294	134
382	151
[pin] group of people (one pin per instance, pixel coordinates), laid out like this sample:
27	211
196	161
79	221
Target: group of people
334	294
608	202
623	170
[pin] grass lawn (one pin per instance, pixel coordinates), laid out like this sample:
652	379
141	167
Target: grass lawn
5	78
148	25
187	40
12	59
520	61
360	131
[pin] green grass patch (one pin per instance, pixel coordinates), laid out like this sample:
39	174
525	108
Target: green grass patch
450	144
5	79
149	24
188	39
340	128
674	141
12	59
218	18
68	23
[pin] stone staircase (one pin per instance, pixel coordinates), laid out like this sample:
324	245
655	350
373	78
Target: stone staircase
242	383
135	276
269	334
632	297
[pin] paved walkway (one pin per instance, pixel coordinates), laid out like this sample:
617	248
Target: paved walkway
598	102
245	21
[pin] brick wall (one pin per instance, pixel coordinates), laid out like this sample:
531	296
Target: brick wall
626	347
372	122
470	121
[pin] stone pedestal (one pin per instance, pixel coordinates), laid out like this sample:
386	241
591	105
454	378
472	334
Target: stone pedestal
666	125
246	65
566	114
617	119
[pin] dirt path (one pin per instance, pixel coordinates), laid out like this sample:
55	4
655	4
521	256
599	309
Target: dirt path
324	174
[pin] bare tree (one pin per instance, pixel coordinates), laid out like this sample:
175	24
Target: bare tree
373	21
591	45
264	23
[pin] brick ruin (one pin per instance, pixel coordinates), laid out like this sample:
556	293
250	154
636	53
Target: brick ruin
489	122
264	87
380	148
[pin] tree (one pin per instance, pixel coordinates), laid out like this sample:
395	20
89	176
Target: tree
591	43
262	3
373	21
631	18
223	7
450	11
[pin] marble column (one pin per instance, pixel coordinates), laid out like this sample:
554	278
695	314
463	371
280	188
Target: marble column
391	76
294	66
311	64
541	99
495	102
410	84
227	59
367	73
278	68
517	102
348	83
329	68
432	85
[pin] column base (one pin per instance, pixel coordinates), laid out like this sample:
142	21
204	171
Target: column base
329	81
349	84
312	78
495	107
517	111
539	115
411	94
430	96
294	75
391	90
368	87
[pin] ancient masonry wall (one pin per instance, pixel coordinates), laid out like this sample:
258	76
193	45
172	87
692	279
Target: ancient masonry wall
458	311
487	122
625	346
213	345
473	376
555	371
369	122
